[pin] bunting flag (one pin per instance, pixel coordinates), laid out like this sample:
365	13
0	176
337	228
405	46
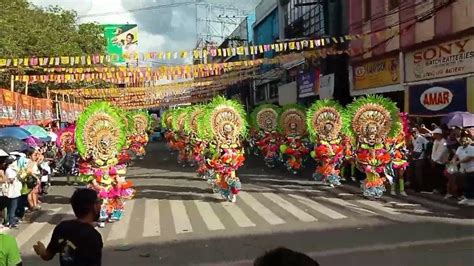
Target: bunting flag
139	75
90	60
20	109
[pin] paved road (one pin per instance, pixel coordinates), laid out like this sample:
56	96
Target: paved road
176	220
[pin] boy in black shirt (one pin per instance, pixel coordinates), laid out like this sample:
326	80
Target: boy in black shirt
77	241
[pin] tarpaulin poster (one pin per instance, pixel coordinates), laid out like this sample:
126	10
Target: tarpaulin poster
63	111
47	107
121	39
5	118
37	111
9	107
25	112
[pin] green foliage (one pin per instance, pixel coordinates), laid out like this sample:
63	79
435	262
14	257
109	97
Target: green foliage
351	109
312	111
89	113
27	31
253	116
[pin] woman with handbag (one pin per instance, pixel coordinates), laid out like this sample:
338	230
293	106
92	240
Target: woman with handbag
465	158
33	180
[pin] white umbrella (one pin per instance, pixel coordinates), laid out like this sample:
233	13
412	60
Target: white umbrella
3	153
53	136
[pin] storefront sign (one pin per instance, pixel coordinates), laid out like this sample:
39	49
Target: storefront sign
308	83
442	60
438	98
377	74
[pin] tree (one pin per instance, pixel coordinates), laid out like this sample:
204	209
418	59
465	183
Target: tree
26	31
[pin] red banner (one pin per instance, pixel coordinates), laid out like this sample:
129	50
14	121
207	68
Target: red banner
47	110
19	109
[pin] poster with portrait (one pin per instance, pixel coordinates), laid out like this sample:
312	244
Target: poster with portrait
122	42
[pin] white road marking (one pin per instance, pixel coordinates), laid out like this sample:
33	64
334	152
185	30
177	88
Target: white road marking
349	205
379	206
33	228
319	207
181	220
264	212
120	228
237	214
151	221
209	216
292	209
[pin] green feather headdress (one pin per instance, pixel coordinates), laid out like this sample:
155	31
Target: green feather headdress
314	108
282	126
177	115
367	101
221	102
254	115
96	111
143	115
191	120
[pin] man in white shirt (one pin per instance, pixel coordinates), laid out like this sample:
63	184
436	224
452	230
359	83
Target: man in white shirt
13	194
418	156
439	158
465	158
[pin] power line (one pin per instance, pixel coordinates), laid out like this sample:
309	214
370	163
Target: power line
137	10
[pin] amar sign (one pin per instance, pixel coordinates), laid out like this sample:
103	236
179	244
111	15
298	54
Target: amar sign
442	60
438	98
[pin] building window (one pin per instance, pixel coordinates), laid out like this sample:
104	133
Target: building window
260	93
273	90
392	4
367	10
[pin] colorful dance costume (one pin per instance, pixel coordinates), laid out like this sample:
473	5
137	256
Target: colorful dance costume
324	121
182	139
126	155
65	140
197	145
398	150
264	120
292	127
100	137
141	123
228	126
370	121
166	124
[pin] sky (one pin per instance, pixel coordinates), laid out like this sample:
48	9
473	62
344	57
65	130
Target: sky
170	28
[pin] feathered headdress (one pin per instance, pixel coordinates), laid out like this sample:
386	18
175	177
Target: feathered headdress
225	120
265	117
100	133
292	120
324	120
371	113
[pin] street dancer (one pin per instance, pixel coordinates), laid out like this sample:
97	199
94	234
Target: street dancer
369	121
264	120
324	121
292	127
100	137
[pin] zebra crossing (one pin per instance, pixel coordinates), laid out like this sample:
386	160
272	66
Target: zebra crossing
167	219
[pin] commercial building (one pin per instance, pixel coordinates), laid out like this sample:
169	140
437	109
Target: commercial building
419	53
